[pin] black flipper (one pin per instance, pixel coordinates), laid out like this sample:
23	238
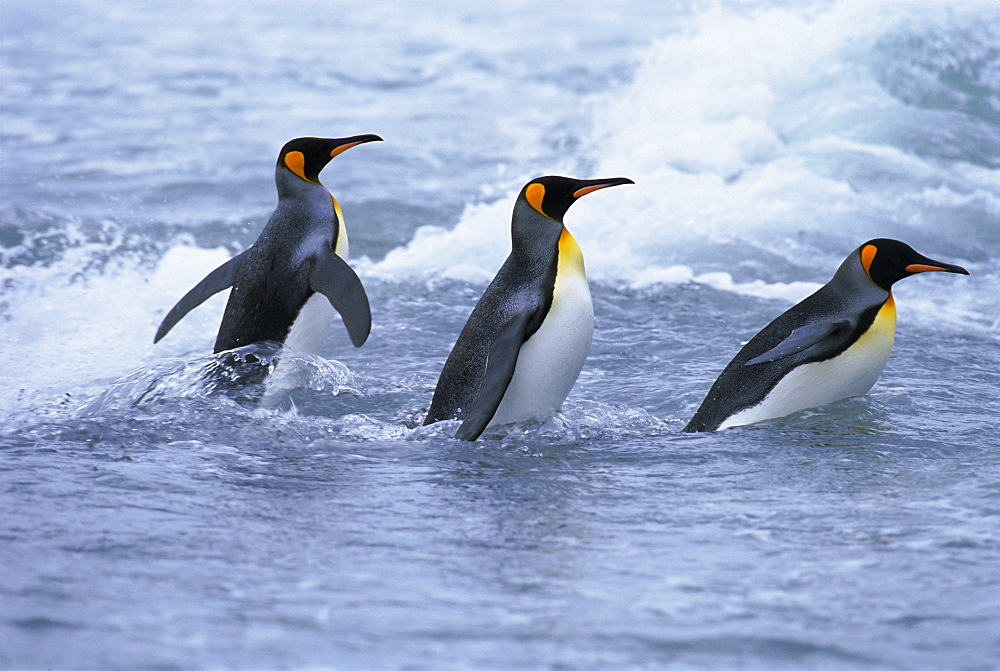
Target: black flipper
332	277
500	366
825	336
217	280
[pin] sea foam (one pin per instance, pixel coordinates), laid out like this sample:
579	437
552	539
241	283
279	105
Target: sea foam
765	145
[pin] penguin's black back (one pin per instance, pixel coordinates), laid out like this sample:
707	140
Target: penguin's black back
271	294
272	284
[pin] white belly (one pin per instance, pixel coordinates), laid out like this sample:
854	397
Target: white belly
311	325
552	358
853	373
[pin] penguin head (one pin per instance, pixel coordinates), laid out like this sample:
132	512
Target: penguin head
888	261
551	195
305	157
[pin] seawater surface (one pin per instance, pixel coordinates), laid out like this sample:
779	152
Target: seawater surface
149	522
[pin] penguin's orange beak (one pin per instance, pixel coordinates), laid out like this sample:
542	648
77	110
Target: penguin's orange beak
353	142
937	267
590	188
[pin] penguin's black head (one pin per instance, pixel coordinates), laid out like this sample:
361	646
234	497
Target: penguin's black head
888	261
551	196
307	156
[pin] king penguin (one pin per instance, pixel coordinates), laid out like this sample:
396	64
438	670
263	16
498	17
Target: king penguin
832	345
527	339
286	286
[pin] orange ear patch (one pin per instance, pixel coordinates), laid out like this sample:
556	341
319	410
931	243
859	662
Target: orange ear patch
296	162
867	256
534	194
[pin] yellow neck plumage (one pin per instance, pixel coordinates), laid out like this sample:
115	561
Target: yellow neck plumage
570	256
342	245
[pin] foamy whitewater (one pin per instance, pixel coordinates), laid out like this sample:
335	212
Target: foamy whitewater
153	521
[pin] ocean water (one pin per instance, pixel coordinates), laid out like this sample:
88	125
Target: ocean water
148	523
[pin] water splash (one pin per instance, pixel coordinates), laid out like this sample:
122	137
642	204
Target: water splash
766	145
243	375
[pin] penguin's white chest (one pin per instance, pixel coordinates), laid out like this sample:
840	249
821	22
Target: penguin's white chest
852	373
310	327
551	359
